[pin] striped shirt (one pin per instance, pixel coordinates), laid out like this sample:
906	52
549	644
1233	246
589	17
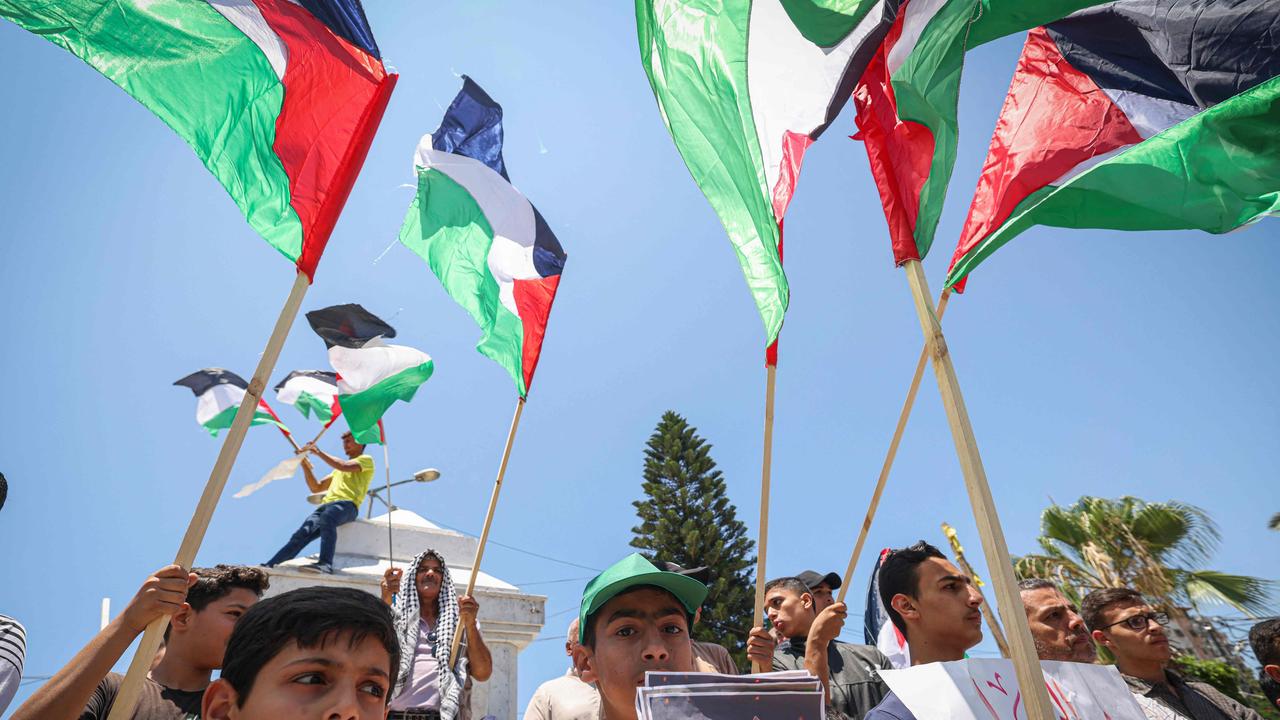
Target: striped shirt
13	642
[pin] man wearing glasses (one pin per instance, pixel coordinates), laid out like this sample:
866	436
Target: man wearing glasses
1121	621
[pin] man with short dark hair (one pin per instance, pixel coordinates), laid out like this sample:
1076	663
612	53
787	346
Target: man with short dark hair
934	605
847	671
343	489
204	606
1122	622
1056	626
1264	638
821	588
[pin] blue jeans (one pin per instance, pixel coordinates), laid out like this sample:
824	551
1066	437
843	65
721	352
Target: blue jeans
323	523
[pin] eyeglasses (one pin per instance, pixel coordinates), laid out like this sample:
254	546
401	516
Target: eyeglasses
1139	622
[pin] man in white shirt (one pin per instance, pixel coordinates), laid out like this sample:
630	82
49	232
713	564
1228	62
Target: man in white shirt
567	697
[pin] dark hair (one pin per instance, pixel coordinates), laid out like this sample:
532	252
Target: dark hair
218	581
1099	600
354	440
589	632
4	489
1270	688
898	575
1264	638
1029	584
794	584
311	617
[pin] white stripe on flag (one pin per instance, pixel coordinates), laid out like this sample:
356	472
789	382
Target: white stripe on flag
362	368
248	18
217	399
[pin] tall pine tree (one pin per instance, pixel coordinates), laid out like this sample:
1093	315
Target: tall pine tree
686	518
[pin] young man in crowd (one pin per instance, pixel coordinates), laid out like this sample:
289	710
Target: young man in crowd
934	605
316	653
1123	622
1264	638
848	672
344	489
821	587
635	618
1056	626
567	697
203	606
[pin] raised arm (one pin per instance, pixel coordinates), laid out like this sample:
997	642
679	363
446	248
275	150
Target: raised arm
481	661
316	486
826	627
351	465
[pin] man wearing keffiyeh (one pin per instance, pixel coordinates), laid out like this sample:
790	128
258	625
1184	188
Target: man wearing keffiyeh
427	614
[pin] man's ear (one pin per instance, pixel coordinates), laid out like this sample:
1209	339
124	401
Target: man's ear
1272	671
1101	638
904	606
806	599
584	663
220	701
181	620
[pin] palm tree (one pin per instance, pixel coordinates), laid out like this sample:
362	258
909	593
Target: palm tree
1158	549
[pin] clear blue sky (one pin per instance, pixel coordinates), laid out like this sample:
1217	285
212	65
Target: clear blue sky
1092	362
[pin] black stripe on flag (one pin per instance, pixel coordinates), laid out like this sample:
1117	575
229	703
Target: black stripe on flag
322	375
201	380
1194	52
348	325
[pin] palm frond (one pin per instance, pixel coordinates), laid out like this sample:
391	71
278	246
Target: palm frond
1176	532
1249	595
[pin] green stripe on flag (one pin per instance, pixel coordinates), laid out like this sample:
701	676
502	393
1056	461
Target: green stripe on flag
223	420
446	227
826	22
363	409
201	75
308	403
1215	171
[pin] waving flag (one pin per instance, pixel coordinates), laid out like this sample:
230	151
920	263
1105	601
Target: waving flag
311	391
1140	115
745	87
371	374
877	629
907	99
218	395
488	245
279	99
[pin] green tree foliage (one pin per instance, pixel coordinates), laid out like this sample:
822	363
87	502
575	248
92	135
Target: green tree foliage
686	518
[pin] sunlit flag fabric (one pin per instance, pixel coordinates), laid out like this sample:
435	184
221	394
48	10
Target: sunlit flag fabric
371	374
218	396
488	245
310	391
1141	115
907	98
877	629
280	99
745	87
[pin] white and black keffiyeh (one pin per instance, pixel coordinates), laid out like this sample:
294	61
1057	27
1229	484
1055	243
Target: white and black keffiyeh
408	616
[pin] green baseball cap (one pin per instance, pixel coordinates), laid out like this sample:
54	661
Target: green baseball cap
632	571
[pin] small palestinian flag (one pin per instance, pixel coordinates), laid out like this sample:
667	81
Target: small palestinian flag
488	245
218	395
371	374
877	629
311	391
1138	115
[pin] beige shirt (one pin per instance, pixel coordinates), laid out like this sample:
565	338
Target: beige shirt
565	698
710	657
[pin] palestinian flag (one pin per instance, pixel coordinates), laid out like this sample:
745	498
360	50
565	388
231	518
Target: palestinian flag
877	629
280	99
1139	115
311	391
488	245
371	374
907	100
745	87
218	396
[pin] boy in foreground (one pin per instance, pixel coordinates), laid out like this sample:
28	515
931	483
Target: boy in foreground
315	653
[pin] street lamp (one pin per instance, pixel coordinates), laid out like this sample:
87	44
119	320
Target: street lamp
422	476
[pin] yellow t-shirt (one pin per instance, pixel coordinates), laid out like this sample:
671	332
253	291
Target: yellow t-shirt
351	485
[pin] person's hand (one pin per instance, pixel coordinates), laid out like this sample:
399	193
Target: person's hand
827	626
304	450
391	581
760	647
467	610
161	594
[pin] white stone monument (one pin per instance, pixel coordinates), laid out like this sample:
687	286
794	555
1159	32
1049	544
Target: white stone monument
509	618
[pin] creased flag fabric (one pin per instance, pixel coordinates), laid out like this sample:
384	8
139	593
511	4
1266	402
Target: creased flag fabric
280	99
1141	115
907	98
877	629
218	396
488	245
310	391
745	87
371	374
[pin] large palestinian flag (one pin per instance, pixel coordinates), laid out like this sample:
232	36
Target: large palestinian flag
371	374
1139	115
486	242
311	391
218	396
745	87
907	100
280	99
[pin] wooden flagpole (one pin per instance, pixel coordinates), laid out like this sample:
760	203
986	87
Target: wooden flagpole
1026	663
890	456
127	697
765	470
488	523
